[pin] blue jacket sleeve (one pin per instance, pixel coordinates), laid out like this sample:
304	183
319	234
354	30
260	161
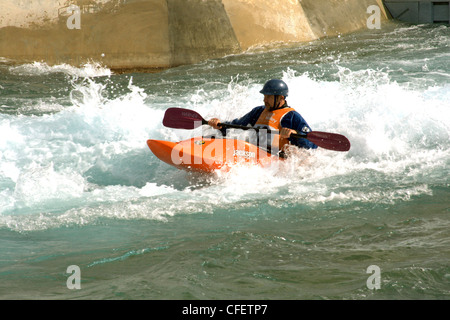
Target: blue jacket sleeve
293	120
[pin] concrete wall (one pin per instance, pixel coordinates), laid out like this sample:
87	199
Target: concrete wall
131	35
334	17
153	34
260	22
199	30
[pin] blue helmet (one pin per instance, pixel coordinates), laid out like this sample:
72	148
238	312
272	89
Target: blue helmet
275	87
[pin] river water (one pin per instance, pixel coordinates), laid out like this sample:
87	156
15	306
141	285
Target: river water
79	186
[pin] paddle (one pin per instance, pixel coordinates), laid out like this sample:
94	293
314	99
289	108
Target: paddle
179	118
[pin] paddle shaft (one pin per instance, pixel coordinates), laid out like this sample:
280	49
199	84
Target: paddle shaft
180	118
330	141
235	126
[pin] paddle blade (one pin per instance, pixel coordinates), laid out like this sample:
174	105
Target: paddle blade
330	141
179	118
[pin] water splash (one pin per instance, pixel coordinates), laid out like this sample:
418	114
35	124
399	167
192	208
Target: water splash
89	161
91	70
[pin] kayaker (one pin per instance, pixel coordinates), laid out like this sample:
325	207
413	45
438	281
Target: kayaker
274	115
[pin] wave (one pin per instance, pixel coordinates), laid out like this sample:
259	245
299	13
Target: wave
89	161
36	68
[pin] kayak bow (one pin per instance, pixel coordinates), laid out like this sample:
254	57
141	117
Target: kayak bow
209	154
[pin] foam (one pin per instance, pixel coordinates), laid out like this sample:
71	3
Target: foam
37	68
398	133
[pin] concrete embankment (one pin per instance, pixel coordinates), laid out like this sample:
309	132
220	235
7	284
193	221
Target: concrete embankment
158	34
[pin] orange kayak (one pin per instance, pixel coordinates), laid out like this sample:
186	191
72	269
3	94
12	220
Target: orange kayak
209	154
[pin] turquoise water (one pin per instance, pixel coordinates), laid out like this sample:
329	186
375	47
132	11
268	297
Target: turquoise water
79	186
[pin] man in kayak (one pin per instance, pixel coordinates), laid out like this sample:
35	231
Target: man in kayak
274	115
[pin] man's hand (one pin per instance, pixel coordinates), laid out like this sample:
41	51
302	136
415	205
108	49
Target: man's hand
214	123
286	133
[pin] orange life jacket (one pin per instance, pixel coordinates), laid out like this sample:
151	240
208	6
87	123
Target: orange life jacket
272	120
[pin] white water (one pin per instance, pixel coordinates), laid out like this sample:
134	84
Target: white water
79	186
399	135
40	68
